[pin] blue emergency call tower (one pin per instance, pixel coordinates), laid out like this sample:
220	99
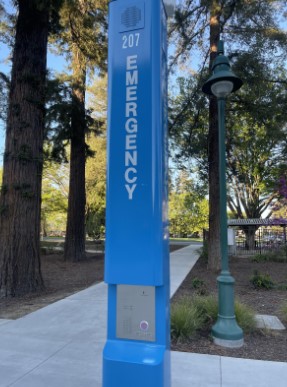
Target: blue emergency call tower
137	351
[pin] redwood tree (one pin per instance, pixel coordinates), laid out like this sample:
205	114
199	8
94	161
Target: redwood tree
84	39
20	268
75	232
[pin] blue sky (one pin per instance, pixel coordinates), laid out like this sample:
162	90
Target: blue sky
4	67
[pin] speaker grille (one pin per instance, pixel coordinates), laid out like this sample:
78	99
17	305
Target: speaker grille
132	17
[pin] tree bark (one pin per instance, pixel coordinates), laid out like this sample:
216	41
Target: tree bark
250	236
20	200
213	153
74	249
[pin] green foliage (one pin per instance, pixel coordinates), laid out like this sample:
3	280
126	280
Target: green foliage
84	25
185	320
207	309
188	209
284	311
7	24
82	38
188	125
280	207
197	283
54	197
264	281
96	188
255	122
261	281
279	255
203	311
58	117
255	162
96	165
250	24
245	317
265	257
58	120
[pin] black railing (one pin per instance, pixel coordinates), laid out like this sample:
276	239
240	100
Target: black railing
265	240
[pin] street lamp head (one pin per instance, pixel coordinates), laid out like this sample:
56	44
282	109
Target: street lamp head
222	81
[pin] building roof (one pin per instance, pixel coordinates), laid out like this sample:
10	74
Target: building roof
257	222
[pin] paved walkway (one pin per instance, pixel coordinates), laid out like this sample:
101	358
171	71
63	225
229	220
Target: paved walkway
61	346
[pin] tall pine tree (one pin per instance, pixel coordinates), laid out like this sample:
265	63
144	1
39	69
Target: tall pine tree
20	198
83	39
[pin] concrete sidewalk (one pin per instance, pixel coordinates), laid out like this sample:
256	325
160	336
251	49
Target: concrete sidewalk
61	346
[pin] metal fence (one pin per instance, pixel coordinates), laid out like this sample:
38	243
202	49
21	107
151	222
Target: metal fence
266	239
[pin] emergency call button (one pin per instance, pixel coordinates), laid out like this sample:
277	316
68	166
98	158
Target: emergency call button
144	325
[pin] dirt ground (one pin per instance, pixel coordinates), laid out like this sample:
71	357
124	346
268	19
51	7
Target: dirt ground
64	278
61	280
262	345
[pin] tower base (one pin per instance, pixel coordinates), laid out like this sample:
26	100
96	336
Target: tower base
135	365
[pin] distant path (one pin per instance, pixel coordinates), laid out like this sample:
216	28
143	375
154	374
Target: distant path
95	245
185	243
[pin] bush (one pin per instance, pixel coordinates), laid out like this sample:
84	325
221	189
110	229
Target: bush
199	285
273	256
199	313
184	319
261	258
207	309
261	281
284	311
245	317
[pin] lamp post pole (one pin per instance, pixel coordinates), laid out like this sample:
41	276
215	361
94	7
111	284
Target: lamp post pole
222	186
225	331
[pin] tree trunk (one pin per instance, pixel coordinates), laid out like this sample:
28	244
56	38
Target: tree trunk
20	268
213	153
250	237
75	233
44	225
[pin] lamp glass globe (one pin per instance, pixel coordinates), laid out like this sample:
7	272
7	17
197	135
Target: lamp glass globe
222	89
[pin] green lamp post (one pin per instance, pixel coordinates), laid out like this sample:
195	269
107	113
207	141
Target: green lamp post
222	82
